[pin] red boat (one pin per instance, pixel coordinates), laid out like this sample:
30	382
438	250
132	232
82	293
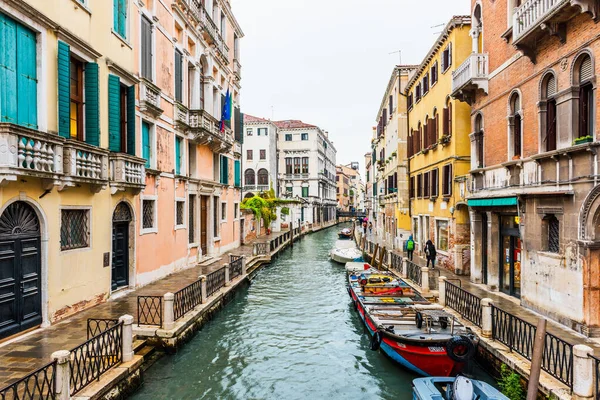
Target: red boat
413	332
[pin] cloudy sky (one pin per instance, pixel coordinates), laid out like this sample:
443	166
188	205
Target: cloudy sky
328	62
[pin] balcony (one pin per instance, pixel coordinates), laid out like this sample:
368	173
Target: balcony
84	163
206	25
150	98
255	188
206	131
470	76
237	69
536	18
237	149
181	116
126	172
297	176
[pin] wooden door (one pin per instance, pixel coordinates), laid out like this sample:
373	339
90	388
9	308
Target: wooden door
120	255
203	224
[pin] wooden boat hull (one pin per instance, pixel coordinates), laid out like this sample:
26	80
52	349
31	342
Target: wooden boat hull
344	236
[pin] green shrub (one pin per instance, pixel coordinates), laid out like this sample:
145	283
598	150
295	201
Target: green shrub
285	211
510	384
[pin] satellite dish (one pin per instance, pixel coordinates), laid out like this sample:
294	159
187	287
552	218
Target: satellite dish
462	389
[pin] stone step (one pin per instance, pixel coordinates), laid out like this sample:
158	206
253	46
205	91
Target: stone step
146	351
138	344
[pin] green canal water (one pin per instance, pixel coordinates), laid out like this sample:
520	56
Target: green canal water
292	334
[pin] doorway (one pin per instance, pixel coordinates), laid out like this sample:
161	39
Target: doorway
120	246
510	255
484	248
204	225
20	269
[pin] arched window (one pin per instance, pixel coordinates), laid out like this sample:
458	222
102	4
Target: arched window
584	73
478	141
263	177
477	27
548	113
515	126
426	132
249	177
447	117
419	138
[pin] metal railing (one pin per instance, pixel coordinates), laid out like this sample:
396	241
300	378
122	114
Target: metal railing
39	385
149	310
96	356
261	249
531	14
215	281
396	262
519	335
235	267
413	272
474	67
96	326
596	361
463	302
186	299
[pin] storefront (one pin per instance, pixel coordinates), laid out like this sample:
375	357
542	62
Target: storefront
510	255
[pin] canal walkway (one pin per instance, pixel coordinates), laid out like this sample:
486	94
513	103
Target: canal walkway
30	351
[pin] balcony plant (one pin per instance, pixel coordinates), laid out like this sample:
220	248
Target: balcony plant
394	154
444	140
582	140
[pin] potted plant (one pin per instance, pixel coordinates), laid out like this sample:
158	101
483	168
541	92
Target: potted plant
584	139
445	139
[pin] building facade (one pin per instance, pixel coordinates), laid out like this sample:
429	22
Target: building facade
307	170
187	58
72	157
531	80
439	150
259	158
348	187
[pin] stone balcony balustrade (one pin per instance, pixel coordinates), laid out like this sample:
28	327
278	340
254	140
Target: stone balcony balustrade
206	131
150	98
470	76
237	69
126	172
255	188
237	149
84	163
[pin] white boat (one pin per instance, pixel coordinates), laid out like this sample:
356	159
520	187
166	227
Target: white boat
459	388
356	266
345	255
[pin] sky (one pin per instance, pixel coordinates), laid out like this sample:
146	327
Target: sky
328	62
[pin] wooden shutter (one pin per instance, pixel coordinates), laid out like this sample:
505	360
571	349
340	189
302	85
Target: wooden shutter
434	183
178	155
146	143
551	126
64	77
239	125
92	105
385	118
8	70
445	123
131	120
436	128
114	113
26	78
178	76
551	87
238	173
585	70
426	134
391	104
449	54
122	23
450	119
146	48
445	180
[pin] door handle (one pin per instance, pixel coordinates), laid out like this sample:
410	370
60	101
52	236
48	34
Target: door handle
22	287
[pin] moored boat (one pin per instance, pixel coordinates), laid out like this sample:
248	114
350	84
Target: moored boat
459	388
345	255
345	233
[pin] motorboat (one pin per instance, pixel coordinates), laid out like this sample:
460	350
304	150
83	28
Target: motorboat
459	388
345	233
343	256
413	332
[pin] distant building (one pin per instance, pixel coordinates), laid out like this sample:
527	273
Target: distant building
259	158
348	185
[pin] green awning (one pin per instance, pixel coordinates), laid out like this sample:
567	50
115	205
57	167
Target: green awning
497	202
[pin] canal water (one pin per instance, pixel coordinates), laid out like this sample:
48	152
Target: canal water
292	334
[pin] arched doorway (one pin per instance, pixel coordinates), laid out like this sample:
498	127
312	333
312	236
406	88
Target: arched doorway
20	269
122	218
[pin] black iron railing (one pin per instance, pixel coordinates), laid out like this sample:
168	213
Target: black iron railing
149	310
95	326
96	356
215	281
38	385
235	268
261	249
596	361
465	303
413	272
519	336
396	262
186	299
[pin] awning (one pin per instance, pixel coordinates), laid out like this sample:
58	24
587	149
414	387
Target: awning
493	202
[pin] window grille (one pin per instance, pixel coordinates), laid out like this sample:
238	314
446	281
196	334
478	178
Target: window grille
74	232
191	225
553	234
179	212
148	214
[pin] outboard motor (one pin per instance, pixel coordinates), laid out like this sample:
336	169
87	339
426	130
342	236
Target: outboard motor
462	389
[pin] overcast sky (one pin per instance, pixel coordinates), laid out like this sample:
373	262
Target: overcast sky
327	62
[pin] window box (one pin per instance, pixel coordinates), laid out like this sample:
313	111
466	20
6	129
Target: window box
582	140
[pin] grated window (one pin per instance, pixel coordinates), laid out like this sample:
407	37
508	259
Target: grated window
148	214
179	211
74	229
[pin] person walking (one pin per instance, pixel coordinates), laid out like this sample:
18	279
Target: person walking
370	228
430	253
365	227
410	247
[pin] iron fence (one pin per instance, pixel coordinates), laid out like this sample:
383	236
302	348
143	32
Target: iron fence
215	281
465	303
235	268
261	249
413	272
397	262
96	356
96	326
186	299
519	335
38	385
149	310
596	376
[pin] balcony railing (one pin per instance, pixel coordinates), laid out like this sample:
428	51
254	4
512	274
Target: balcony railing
126	172
237	68
181	115
209	27
255	188
470	76
150	98
85	163
531	14
206	131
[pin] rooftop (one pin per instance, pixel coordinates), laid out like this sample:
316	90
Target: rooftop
251	118
293	124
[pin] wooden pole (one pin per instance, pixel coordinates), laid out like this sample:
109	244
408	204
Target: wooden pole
536	359
374	256
381	254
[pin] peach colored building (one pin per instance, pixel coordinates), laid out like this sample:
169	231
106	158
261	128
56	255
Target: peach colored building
187	54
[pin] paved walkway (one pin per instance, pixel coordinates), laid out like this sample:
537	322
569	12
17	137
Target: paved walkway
32	351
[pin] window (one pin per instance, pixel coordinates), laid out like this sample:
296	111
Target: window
447	58
410	101
74	229
263	154
586	97
411	188
288	137
305	165
236	210
224	170
447	179
391	105
434	183
216	211
447	119
515	125
419	186
305	191
479	141
237	168
425	84
249	132
426	185
179	212
192	219
178	76
288	165
148	214
263	177
121	116
146	48
551	234
289	190
178	154
223	211
296	165
441	234
120	17
549	90
263	132
304	136
249	155
249	177
76	103
418	93
434	73
337	178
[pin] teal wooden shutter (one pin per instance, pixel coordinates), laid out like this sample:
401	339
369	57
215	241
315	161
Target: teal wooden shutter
64	98
116	15
238	174
177	155
131	120
122	18
178	76
92	105
146	143
26	78
8	70
114	113
226	161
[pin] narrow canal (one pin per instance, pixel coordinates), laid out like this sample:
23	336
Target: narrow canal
292	334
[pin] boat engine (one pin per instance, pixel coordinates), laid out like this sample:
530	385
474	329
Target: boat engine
462	389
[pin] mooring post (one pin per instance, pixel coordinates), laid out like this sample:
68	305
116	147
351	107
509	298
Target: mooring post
244	265
203	291
404	271
583	372
168	311
536	359
127	337
62	378
226	268
425	280
442	290
486	317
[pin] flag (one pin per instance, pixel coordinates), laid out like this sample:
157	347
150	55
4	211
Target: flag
226	111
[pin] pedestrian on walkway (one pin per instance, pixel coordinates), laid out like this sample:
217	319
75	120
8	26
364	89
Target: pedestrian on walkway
365	227
430	253
370	228
410	247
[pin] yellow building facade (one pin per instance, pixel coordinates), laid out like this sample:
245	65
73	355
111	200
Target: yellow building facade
439	150
68	160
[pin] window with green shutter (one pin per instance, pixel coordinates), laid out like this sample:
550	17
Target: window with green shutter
18	73
304	191
120	17
238	174
146	147
224	170
114	113
92	104
178	156
178	76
